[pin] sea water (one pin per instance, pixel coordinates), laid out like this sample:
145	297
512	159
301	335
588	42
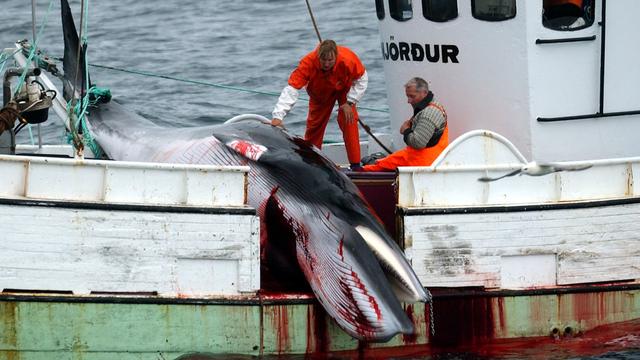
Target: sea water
230	58
248	45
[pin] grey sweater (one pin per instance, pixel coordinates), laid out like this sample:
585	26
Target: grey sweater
428	120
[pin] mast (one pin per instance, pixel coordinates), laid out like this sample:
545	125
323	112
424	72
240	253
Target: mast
35	62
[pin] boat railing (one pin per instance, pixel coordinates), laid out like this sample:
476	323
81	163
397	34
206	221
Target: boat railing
50	178
456	177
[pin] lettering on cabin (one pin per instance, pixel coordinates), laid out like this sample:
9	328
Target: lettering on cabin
403	51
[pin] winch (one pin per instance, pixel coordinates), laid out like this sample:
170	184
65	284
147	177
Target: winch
33	99
31	104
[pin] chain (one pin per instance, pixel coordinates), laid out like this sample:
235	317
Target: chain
431	317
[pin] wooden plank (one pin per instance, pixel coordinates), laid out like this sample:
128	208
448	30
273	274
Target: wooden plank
116	251
591	244
122	182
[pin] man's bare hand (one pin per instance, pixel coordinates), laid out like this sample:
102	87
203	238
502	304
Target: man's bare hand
405	125
277	122
348	112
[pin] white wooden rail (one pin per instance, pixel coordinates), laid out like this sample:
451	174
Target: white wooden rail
122	182
452	180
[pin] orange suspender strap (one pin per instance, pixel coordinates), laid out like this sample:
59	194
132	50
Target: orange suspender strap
439	107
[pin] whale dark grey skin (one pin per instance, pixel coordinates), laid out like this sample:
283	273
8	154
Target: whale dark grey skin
357	272
354	268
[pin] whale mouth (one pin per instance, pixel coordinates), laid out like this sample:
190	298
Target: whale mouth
405	284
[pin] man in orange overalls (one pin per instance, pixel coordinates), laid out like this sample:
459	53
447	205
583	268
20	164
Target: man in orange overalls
426	133
330	73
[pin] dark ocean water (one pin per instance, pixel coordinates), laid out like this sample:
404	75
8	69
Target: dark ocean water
248	44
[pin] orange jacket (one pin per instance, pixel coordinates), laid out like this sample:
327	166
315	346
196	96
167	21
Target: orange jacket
323	87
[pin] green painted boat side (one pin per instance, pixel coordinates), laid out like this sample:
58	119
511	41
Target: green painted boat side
64	327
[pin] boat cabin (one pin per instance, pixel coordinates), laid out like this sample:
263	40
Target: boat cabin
542	73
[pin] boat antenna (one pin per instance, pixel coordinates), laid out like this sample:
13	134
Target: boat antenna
364	126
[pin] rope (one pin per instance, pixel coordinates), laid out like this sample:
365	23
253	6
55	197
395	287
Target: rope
4	58
93	96
2	62
209	84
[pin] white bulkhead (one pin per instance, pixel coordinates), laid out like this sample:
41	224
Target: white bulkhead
558	87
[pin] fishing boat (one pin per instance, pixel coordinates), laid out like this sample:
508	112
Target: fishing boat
525	229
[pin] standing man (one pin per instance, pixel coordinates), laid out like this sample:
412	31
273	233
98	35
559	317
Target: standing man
426	133
330	73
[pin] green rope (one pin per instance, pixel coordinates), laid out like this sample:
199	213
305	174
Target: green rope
92	97
197	82
33	141
2	62
8	57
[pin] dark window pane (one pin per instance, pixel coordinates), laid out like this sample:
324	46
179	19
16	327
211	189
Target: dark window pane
380	9
440	10
400	9
567	15
493	10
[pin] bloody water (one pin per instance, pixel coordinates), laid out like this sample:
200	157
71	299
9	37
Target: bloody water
620	341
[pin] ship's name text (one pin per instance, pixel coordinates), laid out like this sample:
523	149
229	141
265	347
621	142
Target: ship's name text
402	51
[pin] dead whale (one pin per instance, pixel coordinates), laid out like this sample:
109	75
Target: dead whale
356	271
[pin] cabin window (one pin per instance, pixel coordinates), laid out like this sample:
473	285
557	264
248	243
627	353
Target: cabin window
400	9
380	9
440	10
493	10
567	15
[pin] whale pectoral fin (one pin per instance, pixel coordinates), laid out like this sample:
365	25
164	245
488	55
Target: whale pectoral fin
349	283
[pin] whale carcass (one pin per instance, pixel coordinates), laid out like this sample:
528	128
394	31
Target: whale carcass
357	272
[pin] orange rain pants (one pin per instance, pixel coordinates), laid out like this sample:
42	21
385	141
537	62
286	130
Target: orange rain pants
317	123
325	89
410	156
